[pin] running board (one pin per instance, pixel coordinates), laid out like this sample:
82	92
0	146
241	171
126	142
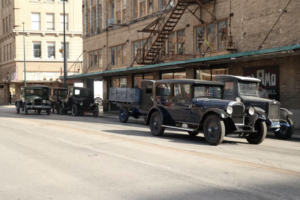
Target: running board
178	128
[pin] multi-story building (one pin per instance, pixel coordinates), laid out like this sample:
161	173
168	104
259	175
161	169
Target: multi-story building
126	41
43	25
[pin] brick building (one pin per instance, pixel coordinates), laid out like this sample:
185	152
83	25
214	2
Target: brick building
43	25
126	41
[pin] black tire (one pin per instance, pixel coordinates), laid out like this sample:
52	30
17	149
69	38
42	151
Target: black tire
156	124
48	111
18	110
61	110
81	113
261	128
74	110
214	130
26	110
39	111
96	112
123	114
193	133
285	133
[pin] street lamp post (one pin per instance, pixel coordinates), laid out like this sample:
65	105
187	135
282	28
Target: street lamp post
65	53
24	55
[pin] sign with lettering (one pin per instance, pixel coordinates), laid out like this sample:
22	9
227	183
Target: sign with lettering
269	76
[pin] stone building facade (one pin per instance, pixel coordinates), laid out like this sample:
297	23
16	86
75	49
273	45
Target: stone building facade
241	37
43	30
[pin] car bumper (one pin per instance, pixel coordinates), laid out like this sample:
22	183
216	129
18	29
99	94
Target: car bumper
39	107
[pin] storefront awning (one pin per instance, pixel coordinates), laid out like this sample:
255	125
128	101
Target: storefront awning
235	57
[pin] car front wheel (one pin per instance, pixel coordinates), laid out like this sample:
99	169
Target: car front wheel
123	114
285	132
156	124
214	130
74	110
261	128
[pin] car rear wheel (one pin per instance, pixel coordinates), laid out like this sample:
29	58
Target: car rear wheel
285	132
214	130
61	110
261	128
156	124
123	114
193	133
96	112
74	110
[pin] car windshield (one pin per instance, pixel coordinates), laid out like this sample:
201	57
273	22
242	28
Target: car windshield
39	92
248	88
63	93
208	91
81	92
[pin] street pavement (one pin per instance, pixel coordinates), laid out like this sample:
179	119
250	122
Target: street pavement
70	158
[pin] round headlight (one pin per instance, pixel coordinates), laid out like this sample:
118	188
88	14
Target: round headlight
81	103
251	111
229	110
44	101
238	99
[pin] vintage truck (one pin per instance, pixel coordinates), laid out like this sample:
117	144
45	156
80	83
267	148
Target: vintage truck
34	98
79	101
189	105
245	90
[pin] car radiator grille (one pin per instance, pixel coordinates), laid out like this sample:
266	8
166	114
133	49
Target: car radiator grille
37	102
273	111
238	114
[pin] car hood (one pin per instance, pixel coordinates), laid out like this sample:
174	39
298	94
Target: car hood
258	102
214	103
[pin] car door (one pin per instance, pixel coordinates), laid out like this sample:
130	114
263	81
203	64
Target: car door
147	95
163	96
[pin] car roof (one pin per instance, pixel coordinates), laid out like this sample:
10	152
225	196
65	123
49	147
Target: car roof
190	81
36	86
243	78
59	88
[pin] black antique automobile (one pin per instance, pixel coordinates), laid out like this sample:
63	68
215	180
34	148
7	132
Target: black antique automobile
57	95
245	90
192	106
34	98
79	101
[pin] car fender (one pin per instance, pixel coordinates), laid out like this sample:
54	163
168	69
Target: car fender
260	114
161	110
284	113
221	113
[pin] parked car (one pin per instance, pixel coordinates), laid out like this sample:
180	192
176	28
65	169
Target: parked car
193	106
79	101
245	90
57	95
34	98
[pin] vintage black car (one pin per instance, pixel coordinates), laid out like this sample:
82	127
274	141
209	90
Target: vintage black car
245	90
192	106
57	95
34	98
79	101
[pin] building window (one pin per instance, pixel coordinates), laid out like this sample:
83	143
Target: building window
142	8
162	4
137	48
216	35
95	59
67	50
100	16
50	21
173	74
9	23
176	43
94	18
181	42
118	55
36	21
3	26
66	22
209	74
51	50
137	79
119	82
36	50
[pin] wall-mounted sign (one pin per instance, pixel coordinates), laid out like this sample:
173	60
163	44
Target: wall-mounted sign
269	76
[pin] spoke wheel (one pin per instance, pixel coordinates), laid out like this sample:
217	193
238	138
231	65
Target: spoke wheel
74	110
123	114
285	132
214	130
261	128
156	124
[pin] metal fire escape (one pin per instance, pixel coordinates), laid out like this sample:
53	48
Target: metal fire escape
161	28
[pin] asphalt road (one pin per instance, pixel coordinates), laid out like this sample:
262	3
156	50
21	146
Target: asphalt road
70	158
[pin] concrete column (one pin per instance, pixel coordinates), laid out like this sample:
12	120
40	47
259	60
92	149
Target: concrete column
86	17
91	17
97	15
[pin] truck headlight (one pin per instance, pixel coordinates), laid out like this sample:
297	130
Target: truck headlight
251	111
44	101
81	103
229	110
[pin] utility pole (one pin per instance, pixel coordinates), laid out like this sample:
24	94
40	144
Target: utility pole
65	52
24	55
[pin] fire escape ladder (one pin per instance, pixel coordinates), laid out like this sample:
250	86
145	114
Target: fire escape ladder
159	38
